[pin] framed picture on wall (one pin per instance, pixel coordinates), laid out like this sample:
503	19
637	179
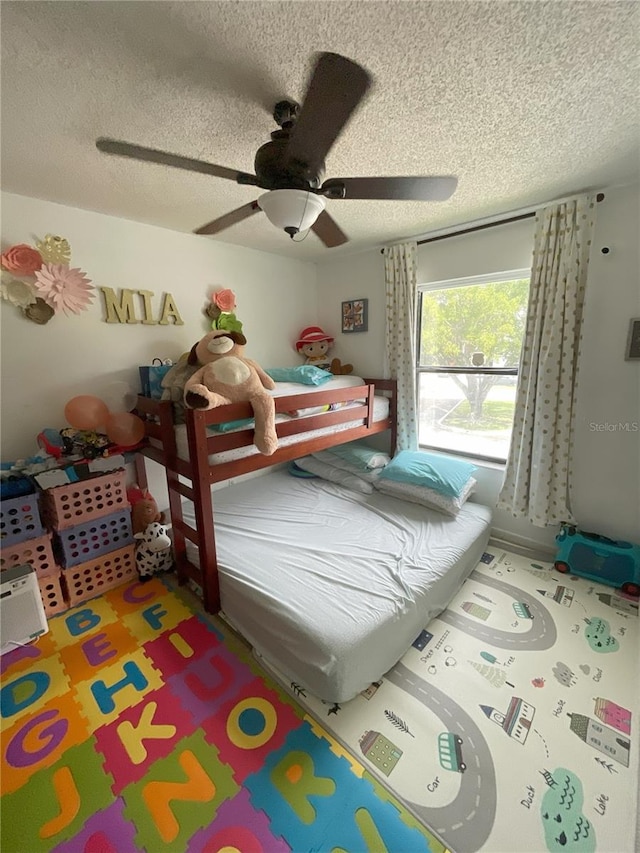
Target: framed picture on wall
355	315
633	341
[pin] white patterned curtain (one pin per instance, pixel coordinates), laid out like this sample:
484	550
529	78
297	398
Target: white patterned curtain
538	474
399	340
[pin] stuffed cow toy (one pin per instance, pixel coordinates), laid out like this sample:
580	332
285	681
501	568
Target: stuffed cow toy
226	376
153	551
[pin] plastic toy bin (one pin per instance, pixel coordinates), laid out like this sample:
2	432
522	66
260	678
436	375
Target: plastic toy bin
19	519
96	576
52	595
75	503
37	551
87	541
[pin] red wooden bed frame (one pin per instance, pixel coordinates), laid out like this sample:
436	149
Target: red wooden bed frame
161	447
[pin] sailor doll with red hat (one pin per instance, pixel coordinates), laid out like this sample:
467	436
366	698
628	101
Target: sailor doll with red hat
314	344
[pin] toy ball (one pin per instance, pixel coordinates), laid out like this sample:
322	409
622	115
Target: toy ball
86	412
125	429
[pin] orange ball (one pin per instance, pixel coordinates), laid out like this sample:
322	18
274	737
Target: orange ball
86	412
125	429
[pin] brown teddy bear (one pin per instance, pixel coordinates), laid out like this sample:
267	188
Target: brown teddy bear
228	377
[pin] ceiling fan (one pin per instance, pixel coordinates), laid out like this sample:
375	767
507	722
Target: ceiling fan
291	166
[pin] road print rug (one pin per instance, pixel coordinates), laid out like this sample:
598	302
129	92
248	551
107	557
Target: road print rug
512	722
139	724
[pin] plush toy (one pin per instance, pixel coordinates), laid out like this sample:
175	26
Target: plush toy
153	551
314	345
340	369
144	509
228	377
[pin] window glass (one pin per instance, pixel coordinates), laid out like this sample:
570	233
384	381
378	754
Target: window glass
469	341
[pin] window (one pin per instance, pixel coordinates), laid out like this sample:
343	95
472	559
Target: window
469	340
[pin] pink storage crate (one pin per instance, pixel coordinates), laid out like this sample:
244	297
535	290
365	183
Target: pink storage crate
52	595
19	519
97	576
83	542
75	503
38	552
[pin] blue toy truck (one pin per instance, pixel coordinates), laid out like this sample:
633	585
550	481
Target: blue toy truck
598	558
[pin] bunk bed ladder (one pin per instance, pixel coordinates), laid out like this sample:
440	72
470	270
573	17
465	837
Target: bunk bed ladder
203	507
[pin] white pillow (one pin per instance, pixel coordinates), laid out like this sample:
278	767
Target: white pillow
331	459
334	475
425	496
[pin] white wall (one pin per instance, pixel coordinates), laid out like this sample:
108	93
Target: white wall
607	464
606	491
42	367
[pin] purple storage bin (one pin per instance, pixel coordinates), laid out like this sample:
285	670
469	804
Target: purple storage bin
19	520
85	542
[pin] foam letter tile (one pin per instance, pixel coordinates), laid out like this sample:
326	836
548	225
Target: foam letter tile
115	688
151	620
105	832
38	740
84	619
131	597
23	657
55	803
250	726
367	823
238	826
141	735
302	788
179	795
175	649
93	651
27	692
210	681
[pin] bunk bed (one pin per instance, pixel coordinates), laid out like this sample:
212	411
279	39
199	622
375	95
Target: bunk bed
206	458
329	586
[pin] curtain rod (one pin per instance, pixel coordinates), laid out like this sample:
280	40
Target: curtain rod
470	230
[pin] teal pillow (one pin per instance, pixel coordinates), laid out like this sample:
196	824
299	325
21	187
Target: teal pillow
228	426
443	474
304	374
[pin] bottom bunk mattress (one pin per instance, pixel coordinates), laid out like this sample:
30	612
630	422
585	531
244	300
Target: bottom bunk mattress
332	586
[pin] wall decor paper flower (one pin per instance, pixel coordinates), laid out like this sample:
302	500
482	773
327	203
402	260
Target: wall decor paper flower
220	310
41	282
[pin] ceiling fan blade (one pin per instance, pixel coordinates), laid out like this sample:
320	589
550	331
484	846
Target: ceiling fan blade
401	189
152	155
328	230
336	88
229	219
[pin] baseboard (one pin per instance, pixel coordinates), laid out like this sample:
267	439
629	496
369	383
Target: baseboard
526	547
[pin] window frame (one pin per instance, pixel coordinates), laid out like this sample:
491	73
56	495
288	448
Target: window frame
446	284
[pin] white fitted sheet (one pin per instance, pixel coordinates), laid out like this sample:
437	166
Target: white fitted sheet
332	586
380	412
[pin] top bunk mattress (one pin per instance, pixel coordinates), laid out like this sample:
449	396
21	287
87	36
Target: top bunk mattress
380	412
332	586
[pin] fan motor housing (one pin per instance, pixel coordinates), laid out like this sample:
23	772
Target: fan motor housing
276	171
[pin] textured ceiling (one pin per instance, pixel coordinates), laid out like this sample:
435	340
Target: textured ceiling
523	101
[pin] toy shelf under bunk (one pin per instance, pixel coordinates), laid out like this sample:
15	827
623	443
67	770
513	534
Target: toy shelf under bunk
161	447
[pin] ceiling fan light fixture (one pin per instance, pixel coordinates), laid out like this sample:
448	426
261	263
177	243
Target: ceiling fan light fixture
292	210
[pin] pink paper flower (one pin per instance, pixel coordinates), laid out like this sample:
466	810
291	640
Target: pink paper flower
21	259
64	288
225	299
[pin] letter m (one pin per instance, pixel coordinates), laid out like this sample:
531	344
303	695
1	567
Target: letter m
119	311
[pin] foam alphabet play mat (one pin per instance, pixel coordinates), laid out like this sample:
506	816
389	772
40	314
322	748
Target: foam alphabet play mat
140	724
